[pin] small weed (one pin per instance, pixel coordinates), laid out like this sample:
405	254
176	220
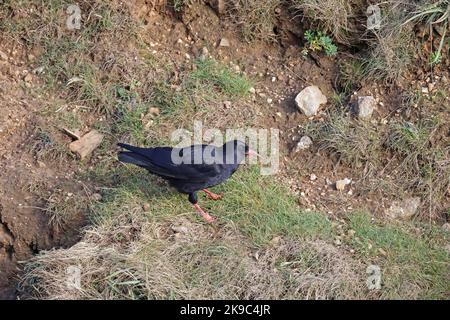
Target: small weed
318	41
336	17
210	73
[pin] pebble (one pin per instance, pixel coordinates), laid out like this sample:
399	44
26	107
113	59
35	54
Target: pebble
340	184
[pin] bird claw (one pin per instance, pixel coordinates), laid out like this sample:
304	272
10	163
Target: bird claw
213	196
204	214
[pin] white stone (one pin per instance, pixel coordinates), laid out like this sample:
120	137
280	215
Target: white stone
403	209
366	105
304	143
309	100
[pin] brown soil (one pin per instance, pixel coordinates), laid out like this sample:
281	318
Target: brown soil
24	228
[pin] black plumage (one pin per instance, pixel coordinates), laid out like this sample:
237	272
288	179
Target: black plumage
189	169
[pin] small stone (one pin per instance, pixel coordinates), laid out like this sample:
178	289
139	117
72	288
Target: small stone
227	104
446	227
276	241
425	90
252	90
3	56
224	42
304	143
204	54
403	209
154	111
87	143
366	105
97	196
41	164
309	100
180	229
340	184
28	78
39	70
269	100
146	207
382	252
313	177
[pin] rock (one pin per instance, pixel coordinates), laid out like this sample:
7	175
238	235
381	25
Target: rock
446	227
276	241
304	143
309	100
403	209
340	184
204	54
97	196
227	104
146	207
153	111
218	6
252	90
224	42
87	143
313	177
39	70
28	78
269	100
366	105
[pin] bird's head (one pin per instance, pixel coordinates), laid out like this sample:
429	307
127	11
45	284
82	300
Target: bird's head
237	150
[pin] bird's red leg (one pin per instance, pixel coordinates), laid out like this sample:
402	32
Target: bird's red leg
204	214
211	195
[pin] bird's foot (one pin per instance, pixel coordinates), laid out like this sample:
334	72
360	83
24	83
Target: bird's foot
212	196
204	214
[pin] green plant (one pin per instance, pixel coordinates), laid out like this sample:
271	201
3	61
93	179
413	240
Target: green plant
318	41
432	14
335	17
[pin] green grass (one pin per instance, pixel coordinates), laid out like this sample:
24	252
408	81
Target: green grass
259	213
211	74
415	256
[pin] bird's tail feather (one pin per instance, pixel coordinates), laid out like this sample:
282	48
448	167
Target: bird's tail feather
133	158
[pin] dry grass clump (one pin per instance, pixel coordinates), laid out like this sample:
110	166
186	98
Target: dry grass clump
44	145
335	17
255	18
151	261
424	166
354	143
390	53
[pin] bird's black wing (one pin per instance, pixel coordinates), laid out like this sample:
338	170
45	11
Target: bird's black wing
159	161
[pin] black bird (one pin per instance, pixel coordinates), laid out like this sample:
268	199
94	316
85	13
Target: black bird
192	168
